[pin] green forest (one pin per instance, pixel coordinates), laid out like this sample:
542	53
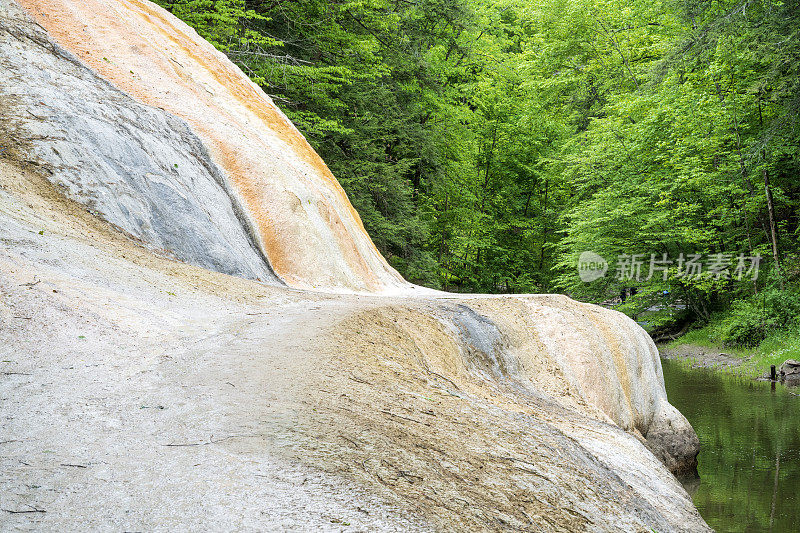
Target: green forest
487	144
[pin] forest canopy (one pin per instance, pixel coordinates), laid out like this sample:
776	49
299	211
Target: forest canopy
487	144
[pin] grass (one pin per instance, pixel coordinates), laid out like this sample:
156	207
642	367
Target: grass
779	346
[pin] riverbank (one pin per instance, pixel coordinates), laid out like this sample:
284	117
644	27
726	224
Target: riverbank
703	348
699	356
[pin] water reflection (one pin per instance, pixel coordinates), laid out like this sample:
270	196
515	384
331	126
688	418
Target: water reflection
749	464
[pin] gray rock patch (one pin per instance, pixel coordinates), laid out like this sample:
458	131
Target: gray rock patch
790	370
484	343
136	166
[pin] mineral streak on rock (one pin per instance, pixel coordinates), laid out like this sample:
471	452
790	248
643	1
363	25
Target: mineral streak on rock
601	356
139	167
304	222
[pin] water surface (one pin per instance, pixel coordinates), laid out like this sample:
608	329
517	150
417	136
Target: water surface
749	464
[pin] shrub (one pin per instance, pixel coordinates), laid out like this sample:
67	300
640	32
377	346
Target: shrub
752	320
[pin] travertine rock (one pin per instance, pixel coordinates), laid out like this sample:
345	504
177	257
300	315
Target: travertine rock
300	215
137	166
408	410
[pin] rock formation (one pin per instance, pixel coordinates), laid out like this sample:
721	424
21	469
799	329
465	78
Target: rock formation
160	368
790	370
199	117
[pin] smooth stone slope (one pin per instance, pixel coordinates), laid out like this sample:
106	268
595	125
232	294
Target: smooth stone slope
138	167
144	394
191	399
301	218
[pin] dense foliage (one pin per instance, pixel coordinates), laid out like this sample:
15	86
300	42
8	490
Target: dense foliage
488	144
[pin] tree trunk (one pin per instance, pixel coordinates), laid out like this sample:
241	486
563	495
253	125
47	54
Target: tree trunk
544	229
772	227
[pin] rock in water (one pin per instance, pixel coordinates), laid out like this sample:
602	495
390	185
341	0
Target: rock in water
399	413
790	370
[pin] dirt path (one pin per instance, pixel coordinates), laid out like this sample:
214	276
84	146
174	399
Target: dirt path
701	356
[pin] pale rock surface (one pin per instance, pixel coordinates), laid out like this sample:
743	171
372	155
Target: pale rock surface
139	167
302	220
142	393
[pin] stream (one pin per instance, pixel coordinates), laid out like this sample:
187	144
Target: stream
749	463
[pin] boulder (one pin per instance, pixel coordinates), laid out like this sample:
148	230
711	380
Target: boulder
790	370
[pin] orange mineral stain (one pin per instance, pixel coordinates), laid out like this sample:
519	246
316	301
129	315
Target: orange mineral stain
155	58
